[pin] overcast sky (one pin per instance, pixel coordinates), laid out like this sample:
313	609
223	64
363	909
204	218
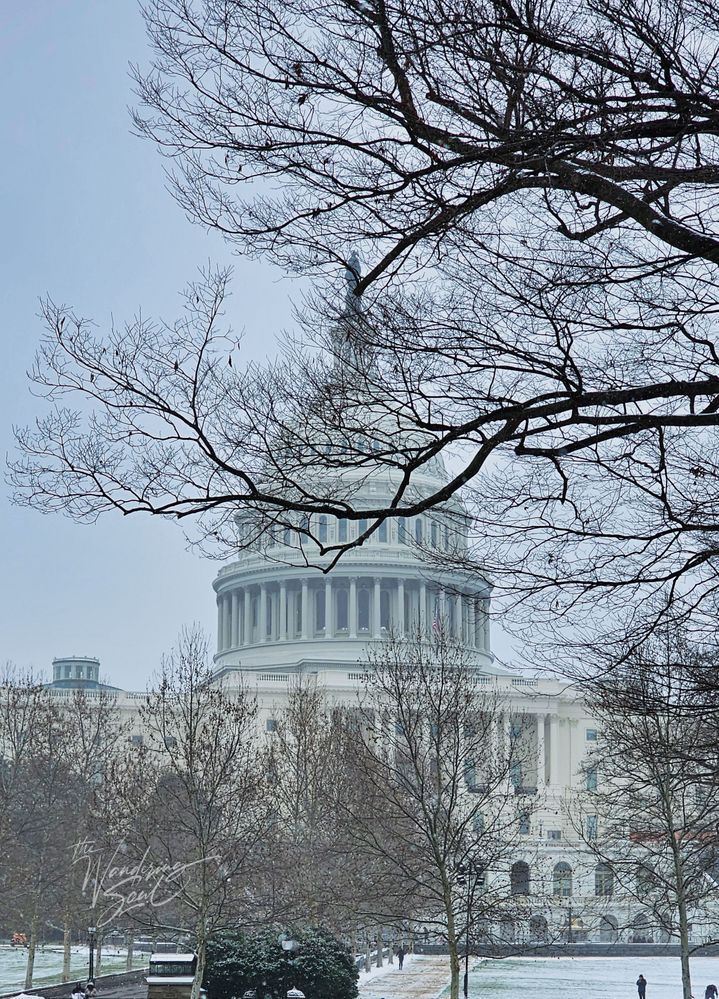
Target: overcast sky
87	220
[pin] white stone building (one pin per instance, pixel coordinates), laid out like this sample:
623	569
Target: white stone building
278	618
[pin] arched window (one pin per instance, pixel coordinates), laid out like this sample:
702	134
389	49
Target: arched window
322	529
402	532
562	885
603	880
646	879
382	532
641	931
433	535
363	609
519	878
342	604
319	610
418	530
384	604
608	929
361	526
342	529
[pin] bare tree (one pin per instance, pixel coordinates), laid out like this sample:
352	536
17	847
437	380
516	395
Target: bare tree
53	756
190	806
650	816
433	801
308	770
544	179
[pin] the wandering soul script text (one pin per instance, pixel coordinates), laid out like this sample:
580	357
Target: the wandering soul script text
123	888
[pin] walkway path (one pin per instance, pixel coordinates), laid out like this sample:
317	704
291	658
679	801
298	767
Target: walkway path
423	977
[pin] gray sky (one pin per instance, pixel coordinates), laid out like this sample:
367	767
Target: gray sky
86	219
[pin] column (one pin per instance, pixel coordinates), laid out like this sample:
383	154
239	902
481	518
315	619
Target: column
541	764
274	603
247	636
263	614
226	622
554	749
353	608
423	609
400	607
305	609
282	633
458	622
485	625
376	609
292	598
235	639
219	624
499	740
329	627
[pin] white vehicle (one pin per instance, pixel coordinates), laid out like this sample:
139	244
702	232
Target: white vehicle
171	976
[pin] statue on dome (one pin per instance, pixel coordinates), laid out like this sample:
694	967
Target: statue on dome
353	275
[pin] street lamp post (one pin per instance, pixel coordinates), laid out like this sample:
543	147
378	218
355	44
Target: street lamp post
91	931
468	873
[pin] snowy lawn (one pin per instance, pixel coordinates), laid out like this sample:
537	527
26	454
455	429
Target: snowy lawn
48	965
588	977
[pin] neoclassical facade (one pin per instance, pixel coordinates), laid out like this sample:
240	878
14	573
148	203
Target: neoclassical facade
279	616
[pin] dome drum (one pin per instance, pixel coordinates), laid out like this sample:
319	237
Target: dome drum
345	607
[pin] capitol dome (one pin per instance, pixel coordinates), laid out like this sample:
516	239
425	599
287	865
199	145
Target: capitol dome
279	612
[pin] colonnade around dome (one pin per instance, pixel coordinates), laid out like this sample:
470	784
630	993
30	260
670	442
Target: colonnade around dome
346	606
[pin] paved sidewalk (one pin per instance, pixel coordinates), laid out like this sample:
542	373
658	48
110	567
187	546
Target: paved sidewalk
423	977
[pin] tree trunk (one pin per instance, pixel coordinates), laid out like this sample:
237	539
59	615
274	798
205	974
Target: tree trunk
66	948
130	944
367	954
98	956
452	947
201	959
30	967
379	961
683	921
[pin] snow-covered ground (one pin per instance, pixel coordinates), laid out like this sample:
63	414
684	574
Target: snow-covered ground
588	977
48	964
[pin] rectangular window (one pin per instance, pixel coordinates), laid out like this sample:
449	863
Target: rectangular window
470	774
136	740
361	526
478	824
591	779
271	725
382	531
554	834
402	532
591	735
591	827
524	823
342	529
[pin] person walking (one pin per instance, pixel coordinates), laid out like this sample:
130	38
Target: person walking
711	992
642	987
400	956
